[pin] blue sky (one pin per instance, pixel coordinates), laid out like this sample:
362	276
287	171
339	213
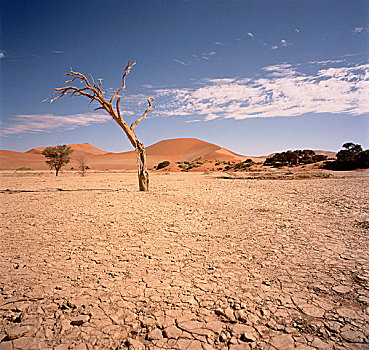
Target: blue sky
252	76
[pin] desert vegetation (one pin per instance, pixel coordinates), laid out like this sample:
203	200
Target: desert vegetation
294	158
57	156
82	164
350	157
23	168
163	165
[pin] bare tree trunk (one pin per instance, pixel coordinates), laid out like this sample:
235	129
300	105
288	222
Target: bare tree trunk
56	171
143	175
92	91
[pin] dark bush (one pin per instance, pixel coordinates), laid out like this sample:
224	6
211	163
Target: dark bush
351	157
24	168
163	165
294	158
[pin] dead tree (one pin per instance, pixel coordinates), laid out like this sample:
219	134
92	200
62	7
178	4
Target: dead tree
92	90
82	163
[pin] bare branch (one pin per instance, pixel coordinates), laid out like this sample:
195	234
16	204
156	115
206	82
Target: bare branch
71	80
98	86
127	69
118	110
133	125
92	78
94	93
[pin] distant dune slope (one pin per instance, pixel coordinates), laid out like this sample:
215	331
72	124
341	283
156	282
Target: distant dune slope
10	160
182	149
76	147
187	149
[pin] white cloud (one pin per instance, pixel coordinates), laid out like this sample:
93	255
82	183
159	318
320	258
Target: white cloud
326	62
251	35
274	47
2	55
282	91
358	29
218	43
297	30
180	62
220	81
362	29
57	51
35	123
194	121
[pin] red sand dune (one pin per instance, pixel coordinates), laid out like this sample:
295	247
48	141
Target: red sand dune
174	150
185	149
77	148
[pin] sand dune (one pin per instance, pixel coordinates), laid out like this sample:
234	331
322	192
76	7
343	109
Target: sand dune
188	149
184	149
173	150
76	147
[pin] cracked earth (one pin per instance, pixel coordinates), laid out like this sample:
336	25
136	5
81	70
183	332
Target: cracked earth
198	262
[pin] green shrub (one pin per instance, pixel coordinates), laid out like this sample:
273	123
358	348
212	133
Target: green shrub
24	169
57	156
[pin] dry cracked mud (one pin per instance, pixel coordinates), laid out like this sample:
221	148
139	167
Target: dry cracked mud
198	262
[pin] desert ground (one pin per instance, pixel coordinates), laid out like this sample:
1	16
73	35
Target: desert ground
199	262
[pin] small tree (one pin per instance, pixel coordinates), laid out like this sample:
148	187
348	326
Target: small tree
92	90
57	156
82	163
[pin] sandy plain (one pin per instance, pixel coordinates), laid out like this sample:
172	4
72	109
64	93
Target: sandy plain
199	262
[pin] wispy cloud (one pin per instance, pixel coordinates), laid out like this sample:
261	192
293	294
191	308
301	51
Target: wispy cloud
251	35
283	43
36	123
194	121
358	29
2	55
326	62
297	30
180	62
361	29
281	91
208	55
57	51
218	43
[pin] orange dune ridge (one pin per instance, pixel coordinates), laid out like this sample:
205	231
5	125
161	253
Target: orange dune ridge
173	150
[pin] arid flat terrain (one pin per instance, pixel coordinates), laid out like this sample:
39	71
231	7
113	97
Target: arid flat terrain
199	262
